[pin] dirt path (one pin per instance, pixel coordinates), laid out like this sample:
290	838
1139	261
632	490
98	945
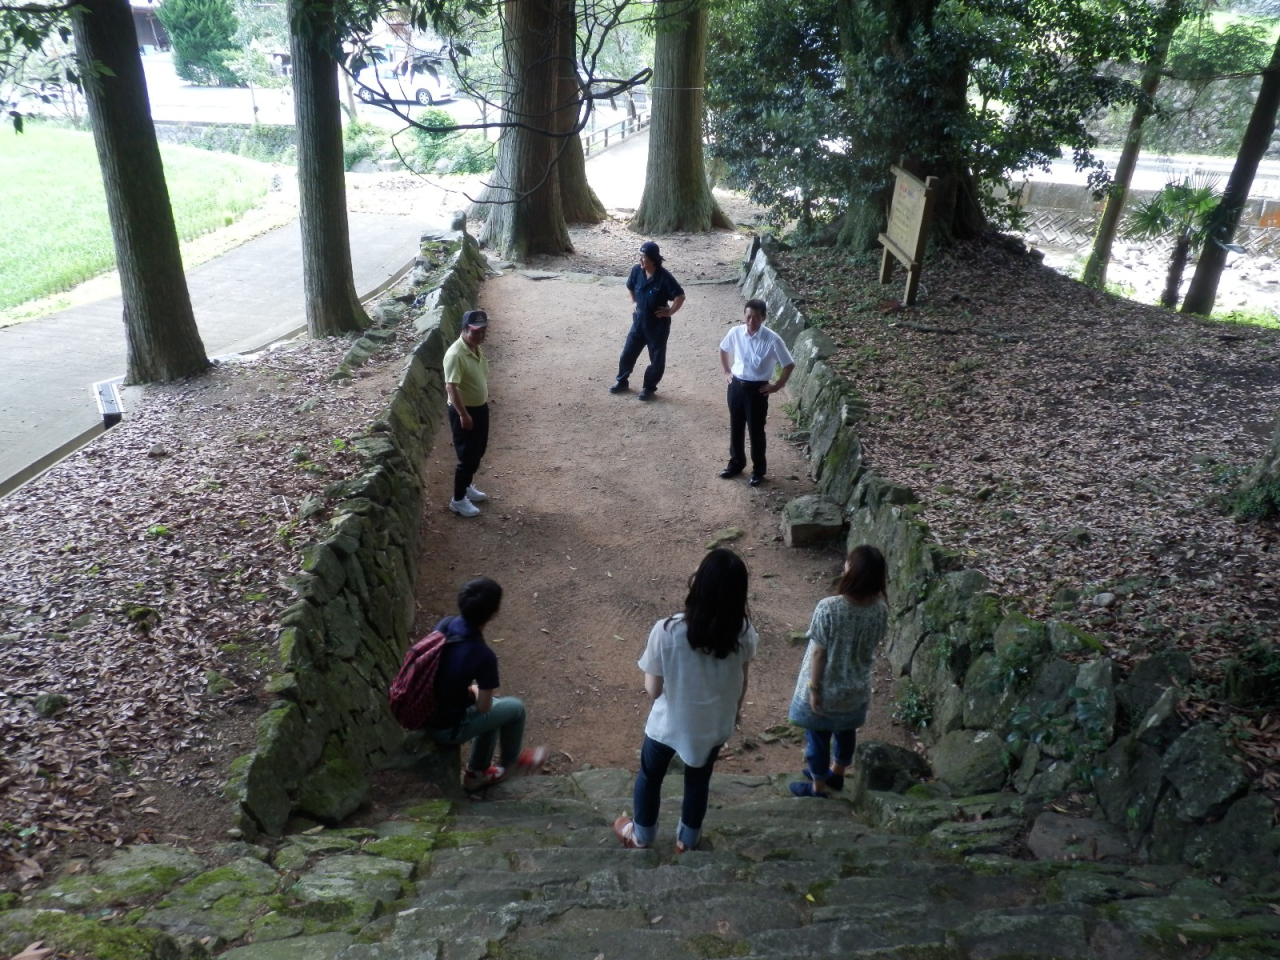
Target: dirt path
601	508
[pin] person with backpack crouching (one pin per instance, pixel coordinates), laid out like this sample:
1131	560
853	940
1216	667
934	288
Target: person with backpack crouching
465	706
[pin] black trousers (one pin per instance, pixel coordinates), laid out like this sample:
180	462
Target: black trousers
651	333
469	445
748	410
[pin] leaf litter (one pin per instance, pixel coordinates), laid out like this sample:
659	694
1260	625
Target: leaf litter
1070	443
141	586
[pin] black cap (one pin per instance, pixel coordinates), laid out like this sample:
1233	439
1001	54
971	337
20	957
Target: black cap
650	250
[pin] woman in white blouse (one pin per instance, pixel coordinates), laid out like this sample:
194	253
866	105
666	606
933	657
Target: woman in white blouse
695	669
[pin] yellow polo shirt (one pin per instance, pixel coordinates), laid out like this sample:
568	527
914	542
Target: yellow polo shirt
468	370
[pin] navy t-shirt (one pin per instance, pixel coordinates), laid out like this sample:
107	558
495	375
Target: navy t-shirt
462	663
652	293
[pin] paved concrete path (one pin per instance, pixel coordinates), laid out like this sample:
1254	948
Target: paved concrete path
244	298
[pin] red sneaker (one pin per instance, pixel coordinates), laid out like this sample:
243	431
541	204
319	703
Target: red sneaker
472	781
530	762
624	830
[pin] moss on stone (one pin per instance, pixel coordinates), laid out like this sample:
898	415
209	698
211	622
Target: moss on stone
817	892
466	838
72	933
712	946
411	849
431	810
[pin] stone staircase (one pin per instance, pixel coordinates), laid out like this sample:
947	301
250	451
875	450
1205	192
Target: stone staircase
535	872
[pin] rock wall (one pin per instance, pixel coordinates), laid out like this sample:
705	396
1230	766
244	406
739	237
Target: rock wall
344	638
1002	701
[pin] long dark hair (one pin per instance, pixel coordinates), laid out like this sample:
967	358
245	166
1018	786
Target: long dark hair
866	575
715	611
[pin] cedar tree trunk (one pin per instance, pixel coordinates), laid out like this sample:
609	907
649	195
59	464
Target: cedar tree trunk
577	199
329	287
160	330
676	194
1213	257
525	216
1177	267
1095	270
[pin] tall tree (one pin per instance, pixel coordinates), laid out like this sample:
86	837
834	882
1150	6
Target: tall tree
332	306
526	216
676	193
578	201
1213	258
160	328
1095	270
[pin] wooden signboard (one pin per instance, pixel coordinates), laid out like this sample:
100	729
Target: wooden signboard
909	217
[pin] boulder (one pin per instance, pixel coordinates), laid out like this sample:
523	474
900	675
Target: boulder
969	761
1161	726
1148	680
1055	836
811	520
1065	638
1244	843
332	791
1203	774
884	767
1130	784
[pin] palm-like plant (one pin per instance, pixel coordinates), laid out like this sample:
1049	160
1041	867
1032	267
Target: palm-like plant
1182	211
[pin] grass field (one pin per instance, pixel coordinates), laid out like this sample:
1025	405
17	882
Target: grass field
56	232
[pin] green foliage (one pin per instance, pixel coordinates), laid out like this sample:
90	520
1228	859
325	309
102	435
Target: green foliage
1195	112
1244	496
1179	210
203	36
1077	733
1011	668
912	706
776	106
363	141
1252	317
441	151
809	117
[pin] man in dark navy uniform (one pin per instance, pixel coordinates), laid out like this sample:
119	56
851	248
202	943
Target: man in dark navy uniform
657	296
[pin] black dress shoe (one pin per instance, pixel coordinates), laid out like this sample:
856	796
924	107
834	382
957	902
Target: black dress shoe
728	473
619	386
645	394
756	480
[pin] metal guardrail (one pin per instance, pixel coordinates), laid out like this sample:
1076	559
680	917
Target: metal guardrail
615	133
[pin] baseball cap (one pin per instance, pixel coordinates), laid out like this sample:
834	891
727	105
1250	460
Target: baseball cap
475	318
650	250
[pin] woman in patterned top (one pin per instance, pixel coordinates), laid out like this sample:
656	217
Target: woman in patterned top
834	686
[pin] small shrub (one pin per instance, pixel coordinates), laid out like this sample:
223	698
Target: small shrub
363	141
456	152
912	707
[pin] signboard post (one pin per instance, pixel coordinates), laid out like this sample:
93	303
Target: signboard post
909	216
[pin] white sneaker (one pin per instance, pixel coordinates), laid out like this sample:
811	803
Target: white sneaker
475	496
464	508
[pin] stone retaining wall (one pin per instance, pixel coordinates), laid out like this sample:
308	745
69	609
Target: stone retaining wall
1005	701
344	638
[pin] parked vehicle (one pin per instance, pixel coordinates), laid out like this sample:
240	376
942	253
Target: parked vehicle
418	80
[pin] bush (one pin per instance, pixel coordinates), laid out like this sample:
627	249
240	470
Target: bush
269	142
364	141
455	152
202	33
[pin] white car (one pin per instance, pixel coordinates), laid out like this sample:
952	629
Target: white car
404	81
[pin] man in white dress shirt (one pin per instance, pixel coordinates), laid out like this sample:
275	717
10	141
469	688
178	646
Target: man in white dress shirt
748	355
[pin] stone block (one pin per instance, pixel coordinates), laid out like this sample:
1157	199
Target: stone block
969	761
811	521
1204	777
1055	836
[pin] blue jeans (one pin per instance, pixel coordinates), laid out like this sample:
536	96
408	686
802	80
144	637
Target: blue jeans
504	722
817	749
655	757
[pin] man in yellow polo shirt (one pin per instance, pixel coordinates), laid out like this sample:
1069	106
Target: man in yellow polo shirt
466	380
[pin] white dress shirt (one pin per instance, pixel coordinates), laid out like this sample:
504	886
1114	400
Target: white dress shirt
754	356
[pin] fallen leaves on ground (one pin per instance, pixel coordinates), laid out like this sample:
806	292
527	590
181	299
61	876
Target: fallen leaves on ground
1071	443
141	585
